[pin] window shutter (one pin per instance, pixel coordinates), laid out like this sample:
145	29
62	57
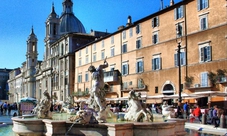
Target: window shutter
183	58
179	29
142	66
153	39
137	44
208	53
159	63
127	69
198	4
136	67
182	11
203	23
202	54
206	3
175	13
125	47
175	60
152	23
152	63
157	19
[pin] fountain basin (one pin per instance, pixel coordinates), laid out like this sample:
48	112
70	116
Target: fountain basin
28	126
48	127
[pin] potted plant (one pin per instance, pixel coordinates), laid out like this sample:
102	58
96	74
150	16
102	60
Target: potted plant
212	77
221	75
188	81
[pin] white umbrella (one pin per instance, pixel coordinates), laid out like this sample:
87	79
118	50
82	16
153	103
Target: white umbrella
161	96
122	98
223	94
207	93
183	95
112	99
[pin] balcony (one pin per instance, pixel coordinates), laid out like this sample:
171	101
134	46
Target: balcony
222	80
112	77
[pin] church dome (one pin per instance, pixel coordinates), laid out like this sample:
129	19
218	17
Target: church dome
69	23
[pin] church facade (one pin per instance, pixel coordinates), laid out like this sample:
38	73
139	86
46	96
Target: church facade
55	73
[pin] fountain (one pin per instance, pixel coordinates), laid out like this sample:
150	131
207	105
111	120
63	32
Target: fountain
93	120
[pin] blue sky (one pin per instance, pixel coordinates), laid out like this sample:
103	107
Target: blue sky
18	16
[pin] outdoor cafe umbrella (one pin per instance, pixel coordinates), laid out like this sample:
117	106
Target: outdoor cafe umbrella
161	96
183	95
28	99
209	93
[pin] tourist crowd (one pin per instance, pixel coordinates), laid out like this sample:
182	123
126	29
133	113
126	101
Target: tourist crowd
6	108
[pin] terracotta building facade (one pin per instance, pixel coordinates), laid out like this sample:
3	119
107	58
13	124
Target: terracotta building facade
143	55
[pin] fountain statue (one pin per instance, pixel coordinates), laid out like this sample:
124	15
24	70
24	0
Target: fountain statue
167	110
97	99
92	118
42	109
84	117
68	105
137	110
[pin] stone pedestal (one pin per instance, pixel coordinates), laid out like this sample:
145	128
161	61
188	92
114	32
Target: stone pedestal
179	126
54	128
120	129
47	127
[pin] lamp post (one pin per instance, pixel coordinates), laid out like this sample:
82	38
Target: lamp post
178	40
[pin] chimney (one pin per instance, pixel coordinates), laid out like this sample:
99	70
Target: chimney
171	2
161	5
129	22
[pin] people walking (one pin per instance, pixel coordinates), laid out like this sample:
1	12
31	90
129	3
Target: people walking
1	108
9	109
215	118
186	110
197	113
179	111
5	106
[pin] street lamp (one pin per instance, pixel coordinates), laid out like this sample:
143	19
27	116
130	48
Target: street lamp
178	41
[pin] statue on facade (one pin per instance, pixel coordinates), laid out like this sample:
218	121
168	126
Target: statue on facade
42	109
137	110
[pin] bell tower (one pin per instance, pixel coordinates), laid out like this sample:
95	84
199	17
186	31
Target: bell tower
31	62
52	24
32	53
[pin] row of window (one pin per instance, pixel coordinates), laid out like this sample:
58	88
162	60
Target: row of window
205	56
178	13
